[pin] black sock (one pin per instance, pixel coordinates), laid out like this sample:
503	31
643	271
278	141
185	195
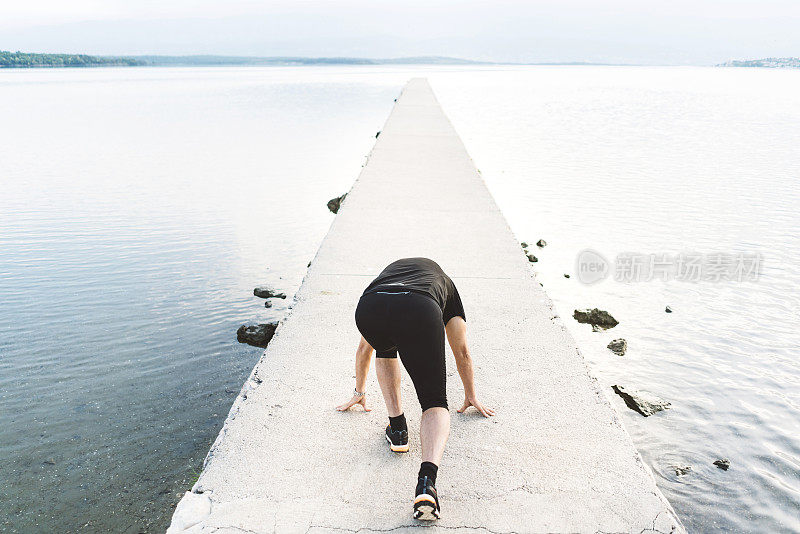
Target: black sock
398	423
428	469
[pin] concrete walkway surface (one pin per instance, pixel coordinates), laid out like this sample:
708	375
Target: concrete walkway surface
555	458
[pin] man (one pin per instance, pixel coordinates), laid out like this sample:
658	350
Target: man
408	308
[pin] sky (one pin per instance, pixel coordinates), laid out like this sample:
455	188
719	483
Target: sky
680	32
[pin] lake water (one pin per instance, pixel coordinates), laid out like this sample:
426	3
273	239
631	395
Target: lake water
139	207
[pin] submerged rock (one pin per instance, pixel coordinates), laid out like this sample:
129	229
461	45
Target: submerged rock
599	319
541	243
723	464
267	304
566	275
618	346
681	470
335	203
532	258
668	309
641	402
266	292
258	335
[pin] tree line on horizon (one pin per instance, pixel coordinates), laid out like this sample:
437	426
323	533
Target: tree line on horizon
29	59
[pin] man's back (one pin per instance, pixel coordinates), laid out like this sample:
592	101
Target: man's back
420	275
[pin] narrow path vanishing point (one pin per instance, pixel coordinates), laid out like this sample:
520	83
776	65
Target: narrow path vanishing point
555	458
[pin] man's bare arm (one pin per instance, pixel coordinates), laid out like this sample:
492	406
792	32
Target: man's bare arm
363	361
456	330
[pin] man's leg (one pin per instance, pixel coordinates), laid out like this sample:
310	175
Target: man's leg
388	371
434	429
422	353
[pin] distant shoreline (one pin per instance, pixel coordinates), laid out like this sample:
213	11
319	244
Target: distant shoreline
23	60
30	60
36	60
766	63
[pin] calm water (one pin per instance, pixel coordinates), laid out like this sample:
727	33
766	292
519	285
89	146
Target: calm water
138	208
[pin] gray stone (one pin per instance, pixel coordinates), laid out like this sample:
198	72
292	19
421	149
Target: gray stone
335	203
258	335
532	258
599	319
524	244
641	402
682	470
618	346
541	243
723	464
668	309
266	292
566	275
267	303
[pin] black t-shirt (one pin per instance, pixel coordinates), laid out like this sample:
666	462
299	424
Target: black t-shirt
424	276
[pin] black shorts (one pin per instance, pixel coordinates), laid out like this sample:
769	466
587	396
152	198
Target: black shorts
410	323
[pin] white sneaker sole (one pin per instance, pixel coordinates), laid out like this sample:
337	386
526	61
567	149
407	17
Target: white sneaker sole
425	509
396	448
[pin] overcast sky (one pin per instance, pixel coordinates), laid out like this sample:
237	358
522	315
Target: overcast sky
616	31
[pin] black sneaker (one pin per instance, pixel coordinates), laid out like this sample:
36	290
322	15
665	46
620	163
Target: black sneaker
398	441
426	503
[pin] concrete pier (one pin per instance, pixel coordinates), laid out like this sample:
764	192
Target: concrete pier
555	458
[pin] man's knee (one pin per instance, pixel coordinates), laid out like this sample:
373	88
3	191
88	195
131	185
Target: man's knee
434	402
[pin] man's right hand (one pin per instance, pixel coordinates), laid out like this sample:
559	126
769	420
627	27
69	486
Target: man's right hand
356	399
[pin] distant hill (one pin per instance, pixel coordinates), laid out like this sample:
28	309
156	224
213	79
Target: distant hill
255	60
29	60
770	62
